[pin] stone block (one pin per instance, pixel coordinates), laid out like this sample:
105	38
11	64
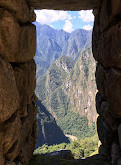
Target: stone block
9	96
32	15
30	69
108	49
9	35
113	91
22	86
109	12
103	110
108	84
25	75
119	134
27	123
26	129
100	75
27	150
2	160
105	133
14	151
19	8
62	154
115	153
18	45
11	132
119	161
103	151
10	163
73	5
27	44
96	35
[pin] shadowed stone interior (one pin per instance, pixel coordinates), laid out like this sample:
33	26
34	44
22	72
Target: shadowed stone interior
17	75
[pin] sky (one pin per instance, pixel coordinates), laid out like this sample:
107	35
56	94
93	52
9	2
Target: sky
66	20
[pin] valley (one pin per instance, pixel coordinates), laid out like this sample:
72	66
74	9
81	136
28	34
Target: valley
65	82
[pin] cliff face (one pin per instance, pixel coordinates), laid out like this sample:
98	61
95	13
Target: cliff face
80	86
67	91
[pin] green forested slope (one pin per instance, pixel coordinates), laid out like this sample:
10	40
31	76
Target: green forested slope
67	91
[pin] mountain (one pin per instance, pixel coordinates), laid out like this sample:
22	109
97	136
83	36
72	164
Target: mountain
48	130
80	86
54	78
67	91
51	44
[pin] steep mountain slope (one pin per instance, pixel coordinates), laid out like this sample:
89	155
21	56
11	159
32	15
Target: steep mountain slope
67	91
78	41
54	78
52	43
80	86
48	130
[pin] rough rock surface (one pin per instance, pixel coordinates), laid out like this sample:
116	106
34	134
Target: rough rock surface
27	44
63	154
19	8
18	133
63	4
107	52
8	45
9	96
17	83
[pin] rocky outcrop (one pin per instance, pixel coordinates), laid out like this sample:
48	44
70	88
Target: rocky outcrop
107	51
17	83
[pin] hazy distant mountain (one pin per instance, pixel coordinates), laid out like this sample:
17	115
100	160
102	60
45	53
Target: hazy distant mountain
52	43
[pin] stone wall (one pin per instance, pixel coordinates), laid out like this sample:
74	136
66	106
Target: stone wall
17	75
17	82
107	51
63	4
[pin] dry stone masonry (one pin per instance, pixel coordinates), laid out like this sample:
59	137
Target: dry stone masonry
17	82
107	52
17	75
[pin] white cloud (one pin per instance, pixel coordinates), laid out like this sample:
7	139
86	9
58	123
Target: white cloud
68	26
49	16
86	15
87	27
